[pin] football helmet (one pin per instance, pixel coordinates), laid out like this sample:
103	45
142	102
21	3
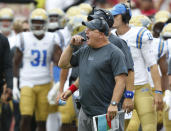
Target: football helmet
142	21
6	19
86	7
75	24
161	16
57	18
166	32
38	21
75	10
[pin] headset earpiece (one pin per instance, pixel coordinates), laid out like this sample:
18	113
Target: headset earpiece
126	16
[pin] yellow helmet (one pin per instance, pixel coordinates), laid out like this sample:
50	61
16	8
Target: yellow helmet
56	11
141	20
86	7
38	21
161	16
57	18
75	10
166	32
75	24
39	14
6	14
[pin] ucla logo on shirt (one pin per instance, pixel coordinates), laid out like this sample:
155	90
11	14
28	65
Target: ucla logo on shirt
90	58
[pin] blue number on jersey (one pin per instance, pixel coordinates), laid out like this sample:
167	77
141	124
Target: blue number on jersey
44	57
36	61
150	36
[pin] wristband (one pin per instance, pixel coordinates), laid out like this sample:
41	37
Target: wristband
129	94
158	92
73	88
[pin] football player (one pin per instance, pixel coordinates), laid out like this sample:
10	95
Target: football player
35	49
139	39
166	34
160	52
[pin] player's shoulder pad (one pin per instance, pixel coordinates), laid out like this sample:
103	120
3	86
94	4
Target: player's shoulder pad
143	35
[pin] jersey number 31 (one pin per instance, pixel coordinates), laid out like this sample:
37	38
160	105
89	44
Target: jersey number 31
37	59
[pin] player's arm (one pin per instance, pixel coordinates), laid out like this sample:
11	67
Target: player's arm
56	54
164	68
149	58
17	62
128	104
169	73
130	81
65	95
150	61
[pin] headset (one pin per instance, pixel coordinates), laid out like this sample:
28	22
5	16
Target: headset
127	15
106	14
102	26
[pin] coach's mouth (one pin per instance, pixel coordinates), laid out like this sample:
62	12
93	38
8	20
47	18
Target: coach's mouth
87	38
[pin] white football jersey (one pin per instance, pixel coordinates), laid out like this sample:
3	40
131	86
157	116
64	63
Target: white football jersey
168	43
139	40
37	56
12	39
160	49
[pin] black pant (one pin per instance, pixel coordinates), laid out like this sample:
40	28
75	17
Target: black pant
7	114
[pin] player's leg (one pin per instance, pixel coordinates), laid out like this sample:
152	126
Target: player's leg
42	105
166	121
145	108
134	122
27	105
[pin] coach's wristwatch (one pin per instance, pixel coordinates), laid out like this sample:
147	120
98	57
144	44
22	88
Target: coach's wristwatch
114	103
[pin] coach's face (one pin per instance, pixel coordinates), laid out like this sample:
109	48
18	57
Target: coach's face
92	36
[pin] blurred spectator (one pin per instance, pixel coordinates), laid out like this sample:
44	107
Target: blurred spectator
162	4
147	7
25	26
50	4
17	26
107	3
5	79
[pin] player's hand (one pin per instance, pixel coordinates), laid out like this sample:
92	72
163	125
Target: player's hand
128	105
15	91
58	96
111	112
158	101
6	95
77	40
65	95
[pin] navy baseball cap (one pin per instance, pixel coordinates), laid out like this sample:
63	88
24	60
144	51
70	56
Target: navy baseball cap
98	24
119	9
